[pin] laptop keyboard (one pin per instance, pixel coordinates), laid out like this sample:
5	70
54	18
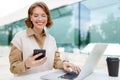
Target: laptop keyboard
70	76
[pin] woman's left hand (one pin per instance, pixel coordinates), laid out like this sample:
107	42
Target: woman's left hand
68	65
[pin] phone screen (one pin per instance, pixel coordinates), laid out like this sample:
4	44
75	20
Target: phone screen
37	51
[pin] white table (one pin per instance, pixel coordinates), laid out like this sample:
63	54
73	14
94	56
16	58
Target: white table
99	75
96	75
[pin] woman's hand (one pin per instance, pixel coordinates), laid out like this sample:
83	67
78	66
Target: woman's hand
68	65
31	62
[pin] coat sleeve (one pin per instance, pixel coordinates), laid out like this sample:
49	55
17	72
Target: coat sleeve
58	63
17	65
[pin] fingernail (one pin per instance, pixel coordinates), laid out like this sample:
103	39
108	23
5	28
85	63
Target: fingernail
70	70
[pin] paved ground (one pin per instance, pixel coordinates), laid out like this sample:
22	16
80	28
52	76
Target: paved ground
4	63
78	59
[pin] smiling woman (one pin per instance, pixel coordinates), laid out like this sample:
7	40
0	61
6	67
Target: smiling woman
22	60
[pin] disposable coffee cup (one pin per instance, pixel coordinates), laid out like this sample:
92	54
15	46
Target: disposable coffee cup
113	66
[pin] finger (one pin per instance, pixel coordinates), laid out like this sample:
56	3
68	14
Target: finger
31	55
41	61
37	55
74	69
70	69
66	66
77	69
67	69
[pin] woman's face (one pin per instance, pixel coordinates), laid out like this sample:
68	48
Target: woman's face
39	18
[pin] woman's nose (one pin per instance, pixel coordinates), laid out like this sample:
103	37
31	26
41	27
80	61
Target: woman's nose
40	18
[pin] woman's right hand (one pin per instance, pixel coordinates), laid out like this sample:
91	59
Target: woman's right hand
31	62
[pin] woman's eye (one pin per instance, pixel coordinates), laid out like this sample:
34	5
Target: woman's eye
35	16
43	15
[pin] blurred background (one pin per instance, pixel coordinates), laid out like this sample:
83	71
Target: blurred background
77	24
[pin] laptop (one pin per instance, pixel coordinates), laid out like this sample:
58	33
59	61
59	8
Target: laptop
86	70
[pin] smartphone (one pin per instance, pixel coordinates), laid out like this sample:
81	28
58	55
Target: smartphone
37	51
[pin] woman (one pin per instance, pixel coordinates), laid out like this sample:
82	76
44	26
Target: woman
24	42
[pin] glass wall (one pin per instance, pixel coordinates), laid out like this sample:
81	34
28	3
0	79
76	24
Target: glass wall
70	29
8	31
104	20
